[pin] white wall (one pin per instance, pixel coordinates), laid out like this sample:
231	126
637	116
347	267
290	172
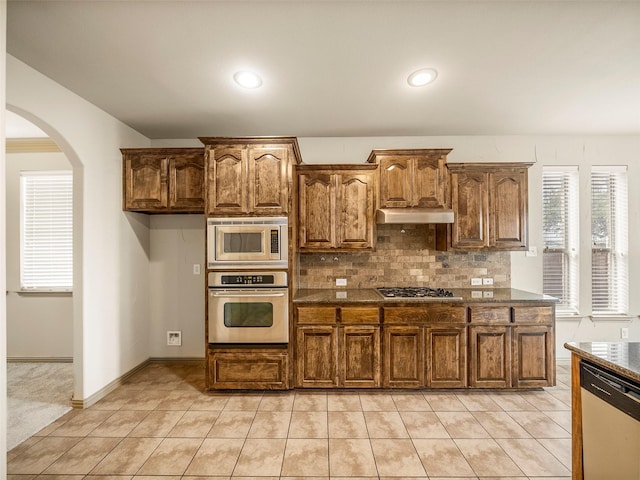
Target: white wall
3	306
111	248
177	295
38	325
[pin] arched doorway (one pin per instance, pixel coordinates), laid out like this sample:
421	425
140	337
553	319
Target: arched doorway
40	324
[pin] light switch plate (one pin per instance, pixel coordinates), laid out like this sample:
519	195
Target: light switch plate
476	281
487	281
341	282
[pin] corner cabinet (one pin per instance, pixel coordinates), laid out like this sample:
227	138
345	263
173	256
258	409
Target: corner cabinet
412	178
336	207
249	176
163	180
490	203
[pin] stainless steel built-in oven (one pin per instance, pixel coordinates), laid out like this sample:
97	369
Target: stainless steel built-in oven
248	307
247	243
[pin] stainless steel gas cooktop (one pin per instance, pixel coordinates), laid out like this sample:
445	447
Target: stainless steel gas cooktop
416	292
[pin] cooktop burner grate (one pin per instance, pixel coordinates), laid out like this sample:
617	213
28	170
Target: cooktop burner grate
414	292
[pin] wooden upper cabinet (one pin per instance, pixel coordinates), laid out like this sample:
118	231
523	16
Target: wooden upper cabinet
490	203
316	210
336	206
249	175
508	209
186	182
412	178
163	180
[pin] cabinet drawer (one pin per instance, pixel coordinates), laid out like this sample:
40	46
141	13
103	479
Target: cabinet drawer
490	314
246	369
316	315
533	314
360	315
425	314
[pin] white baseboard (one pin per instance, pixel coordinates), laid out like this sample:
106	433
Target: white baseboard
39	359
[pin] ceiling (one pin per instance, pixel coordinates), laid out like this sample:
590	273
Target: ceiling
339	68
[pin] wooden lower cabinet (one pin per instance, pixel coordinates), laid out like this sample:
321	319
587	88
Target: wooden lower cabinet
337	347
490	356
532	361
446	365
248	368
359	356
437	346
403	357
316	356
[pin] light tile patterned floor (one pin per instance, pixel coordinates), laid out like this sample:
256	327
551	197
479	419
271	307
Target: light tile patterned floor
161	426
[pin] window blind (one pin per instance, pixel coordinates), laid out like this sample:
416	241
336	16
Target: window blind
46	236
561	236
609	241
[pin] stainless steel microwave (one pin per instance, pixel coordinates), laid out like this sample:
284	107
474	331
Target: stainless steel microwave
247	242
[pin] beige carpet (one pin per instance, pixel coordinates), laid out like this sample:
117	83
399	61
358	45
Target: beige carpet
37	394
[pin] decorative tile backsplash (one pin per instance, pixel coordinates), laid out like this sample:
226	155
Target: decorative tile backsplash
405	256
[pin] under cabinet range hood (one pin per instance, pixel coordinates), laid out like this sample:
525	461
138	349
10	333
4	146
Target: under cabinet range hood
414	215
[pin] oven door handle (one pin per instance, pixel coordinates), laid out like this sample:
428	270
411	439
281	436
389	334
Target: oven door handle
230	295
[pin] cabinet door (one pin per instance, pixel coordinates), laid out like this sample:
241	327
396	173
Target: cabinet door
403	357
268	184
227	180
316	356
490	362
533	356
446	361
354	211
508	209
186	183
430	182
395	182
469	201
360	356
146	183
316	211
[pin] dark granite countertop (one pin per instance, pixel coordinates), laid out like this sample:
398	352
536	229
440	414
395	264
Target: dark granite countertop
465	295
622	358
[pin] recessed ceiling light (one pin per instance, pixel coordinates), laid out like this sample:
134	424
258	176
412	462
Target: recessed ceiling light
247	79
422	77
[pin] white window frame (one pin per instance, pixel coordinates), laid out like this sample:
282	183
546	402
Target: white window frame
562	279
610	282
46	231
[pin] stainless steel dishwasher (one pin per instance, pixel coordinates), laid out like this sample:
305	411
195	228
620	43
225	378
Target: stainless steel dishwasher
610	425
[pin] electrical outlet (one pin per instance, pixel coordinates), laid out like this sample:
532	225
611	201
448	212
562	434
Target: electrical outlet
487	281
476	281
174	338
487	294
196	269
341	282
624	332
476	293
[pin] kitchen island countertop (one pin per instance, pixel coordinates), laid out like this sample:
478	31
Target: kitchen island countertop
464	295
622	358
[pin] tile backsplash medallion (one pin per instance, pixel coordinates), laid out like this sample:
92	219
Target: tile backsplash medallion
405	256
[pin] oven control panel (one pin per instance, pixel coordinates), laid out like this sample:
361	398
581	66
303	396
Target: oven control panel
239	279
247	280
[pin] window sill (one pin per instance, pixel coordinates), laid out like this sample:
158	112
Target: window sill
612	318
44	293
